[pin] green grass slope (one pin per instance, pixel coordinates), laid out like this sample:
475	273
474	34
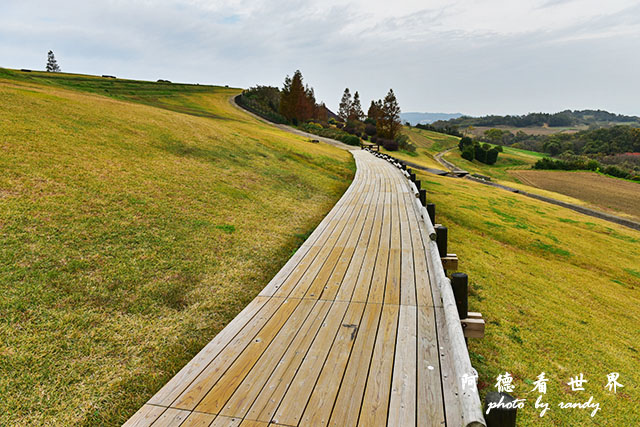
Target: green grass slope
560	293
133	227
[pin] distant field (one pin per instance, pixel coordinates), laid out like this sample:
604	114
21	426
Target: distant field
531	130
559	291
136	220
609	194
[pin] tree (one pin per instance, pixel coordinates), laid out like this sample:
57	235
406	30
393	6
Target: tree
52	64
344	110
356	109
389	124
375	111
465	141
297	102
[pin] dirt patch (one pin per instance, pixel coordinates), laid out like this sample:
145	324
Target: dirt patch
609	194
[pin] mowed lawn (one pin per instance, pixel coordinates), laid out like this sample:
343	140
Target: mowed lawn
606	193
560	293
131	234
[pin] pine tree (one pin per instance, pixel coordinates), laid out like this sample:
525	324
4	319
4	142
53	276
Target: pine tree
375	110
52	64
356	109
345	105
390	121
297	102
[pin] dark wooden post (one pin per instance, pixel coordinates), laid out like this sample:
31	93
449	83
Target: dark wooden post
431	210
441	239
412	176
418	184
460	285
500	417
423	197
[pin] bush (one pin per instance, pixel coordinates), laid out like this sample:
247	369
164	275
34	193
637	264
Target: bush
499	148
492	156
465	142
370	129
374	139
390	145
351	140
468	153
480	153
615	171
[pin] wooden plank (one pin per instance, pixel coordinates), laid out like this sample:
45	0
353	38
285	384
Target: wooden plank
355	278
376	397
350	256
292	313
198	419
191	370
430	400
296	397
378	281
252	384
348	401
407	271
402	405
145	416
194	393
320	403
473	328
172	418
274	389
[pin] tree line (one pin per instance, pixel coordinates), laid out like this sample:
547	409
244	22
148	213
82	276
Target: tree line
560	119
296	104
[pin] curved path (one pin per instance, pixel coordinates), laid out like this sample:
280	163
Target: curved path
352	330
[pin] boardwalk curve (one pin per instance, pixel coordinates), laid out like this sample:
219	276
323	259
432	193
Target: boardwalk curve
356	329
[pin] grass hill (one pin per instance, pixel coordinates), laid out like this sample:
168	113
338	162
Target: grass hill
136	220
559	291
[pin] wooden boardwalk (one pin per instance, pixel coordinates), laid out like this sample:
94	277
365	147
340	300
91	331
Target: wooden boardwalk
349	332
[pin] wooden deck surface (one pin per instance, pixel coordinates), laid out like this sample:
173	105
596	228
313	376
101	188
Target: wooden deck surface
349	332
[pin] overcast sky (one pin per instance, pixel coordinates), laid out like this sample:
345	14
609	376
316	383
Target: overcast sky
470	56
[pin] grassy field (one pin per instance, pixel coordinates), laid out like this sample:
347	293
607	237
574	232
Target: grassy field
608	194
427	144
560	293
131	234
511	158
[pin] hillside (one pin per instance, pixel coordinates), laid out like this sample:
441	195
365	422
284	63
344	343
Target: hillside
567	118
136	220
554	301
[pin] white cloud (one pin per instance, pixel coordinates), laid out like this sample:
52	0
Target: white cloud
471	56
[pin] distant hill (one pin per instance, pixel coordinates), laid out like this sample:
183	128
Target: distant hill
427	118
566	118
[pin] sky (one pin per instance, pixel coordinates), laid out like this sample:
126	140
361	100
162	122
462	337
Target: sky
476	57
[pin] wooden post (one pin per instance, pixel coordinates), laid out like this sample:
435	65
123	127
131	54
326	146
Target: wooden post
500	416
412	176
441	239
431	210
417	182
460	285
423	197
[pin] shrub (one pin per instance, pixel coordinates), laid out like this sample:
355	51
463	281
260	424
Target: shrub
370	129
390	145
468	153
351	140
465	141
492	156
615	171
374	139
480	153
